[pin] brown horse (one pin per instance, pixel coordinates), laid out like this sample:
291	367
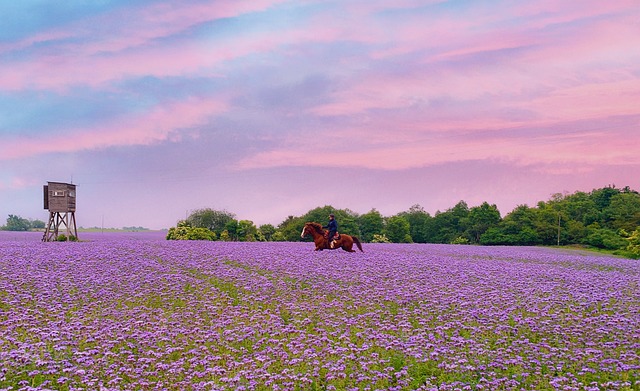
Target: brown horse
319	238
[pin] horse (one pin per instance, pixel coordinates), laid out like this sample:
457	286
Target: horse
319	234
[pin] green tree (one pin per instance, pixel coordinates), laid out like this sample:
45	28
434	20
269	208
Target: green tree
17	223
37	224
602	197
370	224
604	238
480	219
247	231
547	218
278	236
320	214
231	227
420	223
623	211
450	224
581	207
267	231
214	220
574	231
290	229
517	229
397	230
347	219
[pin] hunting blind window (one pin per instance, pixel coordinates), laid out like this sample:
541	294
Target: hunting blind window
58	193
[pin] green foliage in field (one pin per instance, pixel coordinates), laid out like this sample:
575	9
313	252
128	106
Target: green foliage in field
17	223
64	238
598	219
185	232
634	243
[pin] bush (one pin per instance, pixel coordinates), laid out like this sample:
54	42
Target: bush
605	238
224	236
634	243
278	236
185	232
65	238
510	236
377	238
460	240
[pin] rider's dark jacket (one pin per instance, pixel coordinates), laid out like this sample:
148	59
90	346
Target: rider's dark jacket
332	227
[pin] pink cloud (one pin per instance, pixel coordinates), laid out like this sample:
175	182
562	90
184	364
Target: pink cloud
586	73
593	68
163	123
577	150
132	49
594	100
550	12
421	155
133	27
17	183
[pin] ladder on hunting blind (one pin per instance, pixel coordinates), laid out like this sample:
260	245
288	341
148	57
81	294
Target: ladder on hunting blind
60	200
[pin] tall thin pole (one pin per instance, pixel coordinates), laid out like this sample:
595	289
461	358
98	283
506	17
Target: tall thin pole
558	228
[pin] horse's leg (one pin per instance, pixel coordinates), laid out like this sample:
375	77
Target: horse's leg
348	249
348	246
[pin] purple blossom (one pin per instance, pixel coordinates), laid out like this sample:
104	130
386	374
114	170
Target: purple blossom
139	312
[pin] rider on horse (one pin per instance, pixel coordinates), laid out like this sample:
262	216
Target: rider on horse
332	226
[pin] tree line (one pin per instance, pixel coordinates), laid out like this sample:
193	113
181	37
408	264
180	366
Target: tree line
17	223
606	218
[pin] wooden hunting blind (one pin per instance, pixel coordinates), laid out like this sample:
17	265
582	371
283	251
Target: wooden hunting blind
60	200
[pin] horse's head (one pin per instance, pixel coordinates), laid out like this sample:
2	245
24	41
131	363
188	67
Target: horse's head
306	230
310	229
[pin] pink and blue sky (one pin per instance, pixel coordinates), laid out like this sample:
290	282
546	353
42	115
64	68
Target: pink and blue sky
269	108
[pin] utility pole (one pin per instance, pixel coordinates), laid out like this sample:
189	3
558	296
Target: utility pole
558	228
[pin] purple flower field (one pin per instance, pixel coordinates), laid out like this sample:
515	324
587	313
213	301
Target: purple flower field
136	312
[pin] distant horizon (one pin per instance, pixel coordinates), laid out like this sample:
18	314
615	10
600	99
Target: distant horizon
267	108
135	228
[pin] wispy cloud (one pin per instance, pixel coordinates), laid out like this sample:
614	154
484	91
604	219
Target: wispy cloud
162	123
582	150
154	40
416	83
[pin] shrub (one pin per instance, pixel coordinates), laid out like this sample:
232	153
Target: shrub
224	236
377	238
185	232
634	243
605	238
278	236
460	240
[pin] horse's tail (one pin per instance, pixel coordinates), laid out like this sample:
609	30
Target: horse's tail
357	242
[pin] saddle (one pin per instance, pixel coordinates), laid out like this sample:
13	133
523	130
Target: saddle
335	237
